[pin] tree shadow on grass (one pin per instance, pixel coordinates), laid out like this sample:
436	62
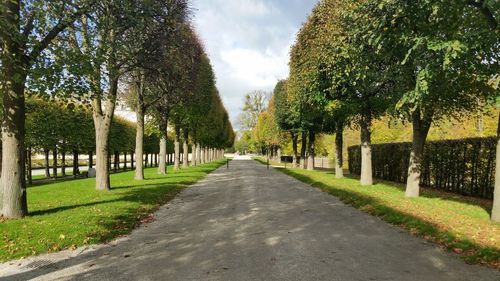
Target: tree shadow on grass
68	207
433	193
147	197
146	194
170	176
51	181
472	252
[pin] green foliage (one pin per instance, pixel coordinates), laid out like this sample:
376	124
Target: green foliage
122	136
266	132
51	124
441	70
189	98
245	143
282	108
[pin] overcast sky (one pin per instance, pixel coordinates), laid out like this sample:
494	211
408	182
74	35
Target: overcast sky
248	42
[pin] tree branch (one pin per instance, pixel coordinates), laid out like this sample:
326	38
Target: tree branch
54	32
157	99
490	18
28	27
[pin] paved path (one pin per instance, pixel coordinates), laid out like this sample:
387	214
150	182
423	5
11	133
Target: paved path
250	223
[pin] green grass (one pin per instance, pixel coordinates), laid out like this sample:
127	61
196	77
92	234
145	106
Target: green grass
458	223
69	173
72	213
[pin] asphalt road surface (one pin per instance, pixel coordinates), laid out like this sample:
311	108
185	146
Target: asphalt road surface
250	223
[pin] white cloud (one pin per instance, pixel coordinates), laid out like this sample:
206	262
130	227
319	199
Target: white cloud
258	69
248	42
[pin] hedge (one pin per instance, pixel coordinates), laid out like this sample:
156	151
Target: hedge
464	166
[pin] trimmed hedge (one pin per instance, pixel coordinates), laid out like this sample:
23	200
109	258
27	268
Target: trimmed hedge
464	166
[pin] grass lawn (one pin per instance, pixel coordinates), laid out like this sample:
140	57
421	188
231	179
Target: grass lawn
458	223
69	174
72	213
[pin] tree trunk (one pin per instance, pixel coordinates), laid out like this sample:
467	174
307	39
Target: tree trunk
125	161
117	161
139	139
193	154
194	157
185	149
366	150
310	159
46	152
294	149
162	167
14	68
303	159
132	160
177	148
63	162
495	212
91	159
102	128
202	155
54	162
30	166
75	163
198	154
421	128
339	145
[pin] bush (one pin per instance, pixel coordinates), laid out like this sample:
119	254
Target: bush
465	166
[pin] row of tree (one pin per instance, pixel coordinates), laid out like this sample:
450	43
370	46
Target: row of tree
90	53
53	126
418	61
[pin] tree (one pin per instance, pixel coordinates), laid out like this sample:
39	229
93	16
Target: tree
267	132
104	45
253	105
440	67
43	125
157	33
284	117
198	110
306	88
27	29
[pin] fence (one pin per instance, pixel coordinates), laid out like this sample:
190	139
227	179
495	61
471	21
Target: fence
465	166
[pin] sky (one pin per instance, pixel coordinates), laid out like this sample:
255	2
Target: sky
248	42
